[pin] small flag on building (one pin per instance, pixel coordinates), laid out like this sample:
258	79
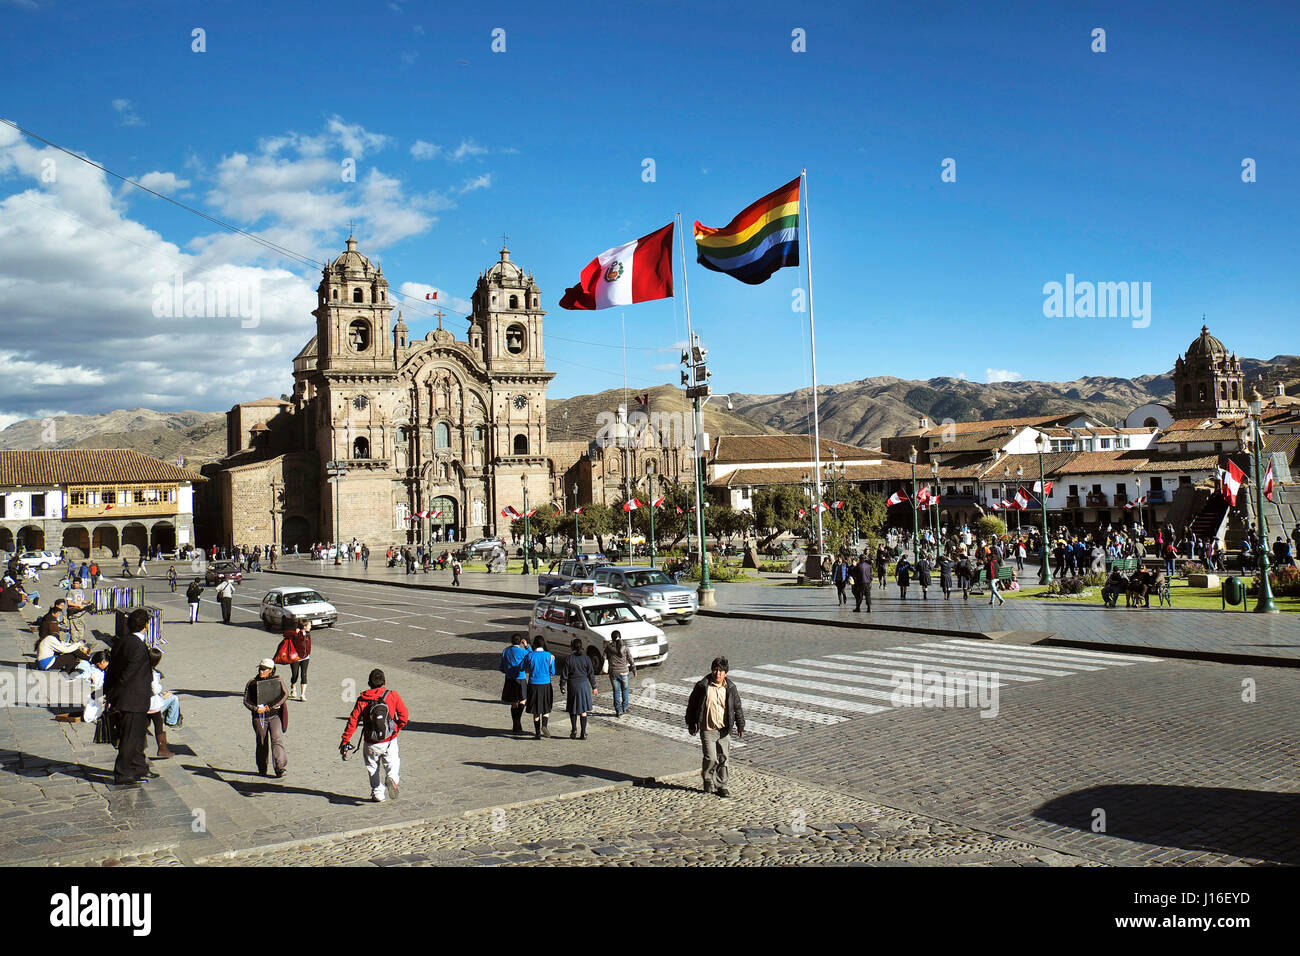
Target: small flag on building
578	511
1268	482
431	295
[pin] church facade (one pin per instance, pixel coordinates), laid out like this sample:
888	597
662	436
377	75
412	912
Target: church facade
455	428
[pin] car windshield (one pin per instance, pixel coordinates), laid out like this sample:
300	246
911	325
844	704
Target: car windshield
641	579
303	597
603	614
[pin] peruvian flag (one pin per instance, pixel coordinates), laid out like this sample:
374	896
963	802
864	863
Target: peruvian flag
802	512
897	498
1135	503
997	506
923	495
631	505
838	505
679	509
657	502
510	512
823	506
578	511
1232	479
1268	482
1022	499
431	295
935	501
633	272
436	514
1038	488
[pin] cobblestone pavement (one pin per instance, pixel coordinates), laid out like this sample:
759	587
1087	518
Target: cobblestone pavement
769	820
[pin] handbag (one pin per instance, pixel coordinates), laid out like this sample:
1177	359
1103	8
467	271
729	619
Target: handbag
286	653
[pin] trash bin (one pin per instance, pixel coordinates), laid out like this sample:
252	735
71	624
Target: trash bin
1233	591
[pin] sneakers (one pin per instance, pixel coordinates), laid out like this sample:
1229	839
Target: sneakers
393	789
723	792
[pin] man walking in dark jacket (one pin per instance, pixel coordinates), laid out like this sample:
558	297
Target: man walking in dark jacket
713	709
128	687
862	583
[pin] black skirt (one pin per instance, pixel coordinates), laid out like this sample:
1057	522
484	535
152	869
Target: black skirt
513	691
540	699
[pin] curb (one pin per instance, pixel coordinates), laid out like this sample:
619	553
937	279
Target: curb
433	821
408	585
1213	657
788	619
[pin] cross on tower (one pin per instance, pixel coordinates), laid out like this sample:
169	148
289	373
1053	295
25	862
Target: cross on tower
505	239
439	314
352	228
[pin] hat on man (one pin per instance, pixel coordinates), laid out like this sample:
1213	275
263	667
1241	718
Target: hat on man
267	663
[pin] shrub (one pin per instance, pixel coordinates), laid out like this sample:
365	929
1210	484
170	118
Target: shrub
990	527
1093	579
1065	586
722	573
1193	567
1283	581
774	567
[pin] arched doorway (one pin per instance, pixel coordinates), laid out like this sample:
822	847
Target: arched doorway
297	530
6	540
445	523
76	541
104	542
163	536
30	538
135	540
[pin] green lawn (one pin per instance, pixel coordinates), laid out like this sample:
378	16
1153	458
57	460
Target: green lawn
1181	595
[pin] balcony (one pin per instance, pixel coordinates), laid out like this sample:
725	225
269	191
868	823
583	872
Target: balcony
1157	496
131	509
1120	499
1096	500
1072	501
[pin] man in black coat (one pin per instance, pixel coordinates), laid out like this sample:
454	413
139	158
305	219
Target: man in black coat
712	711
128	687
862	583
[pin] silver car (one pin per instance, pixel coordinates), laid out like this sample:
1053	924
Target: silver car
651	588
283	608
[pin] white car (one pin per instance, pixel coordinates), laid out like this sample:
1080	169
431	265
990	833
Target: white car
39	559
595	618
283	608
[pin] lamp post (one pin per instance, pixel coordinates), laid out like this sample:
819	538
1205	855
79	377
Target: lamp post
577	547
1264	605
934	476
336	470
1045	569
523	480
916	531
650	474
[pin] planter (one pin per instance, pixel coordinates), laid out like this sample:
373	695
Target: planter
1203	580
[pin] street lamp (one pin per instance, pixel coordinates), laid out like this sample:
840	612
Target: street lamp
934	475
1045	570
577	548
336	470
916	531
1264	605
650	473
523	479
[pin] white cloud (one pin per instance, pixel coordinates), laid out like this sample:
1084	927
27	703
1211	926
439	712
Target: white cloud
129	117
23	371
419	30
422	150
478	182
466	149
166	183
992	375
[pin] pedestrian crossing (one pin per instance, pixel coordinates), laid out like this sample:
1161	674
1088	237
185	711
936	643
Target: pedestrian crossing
806	692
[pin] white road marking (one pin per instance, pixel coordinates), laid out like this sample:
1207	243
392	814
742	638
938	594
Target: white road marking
1004	656
895	665
664	730
762	707
449	633
417	627
831	703
355	634
854	678
1108	657
923	657
776	678
679	710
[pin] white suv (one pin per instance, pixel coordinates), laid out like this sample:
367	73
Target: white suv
595	618
39	559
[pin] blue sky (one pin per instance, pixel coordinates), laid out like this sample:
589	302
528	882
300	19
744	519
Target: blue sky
1115	166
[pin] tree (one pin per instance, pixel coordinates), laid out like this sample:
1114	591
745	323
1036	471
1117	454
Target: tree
669	525
547	521
597	520
990	527
776	511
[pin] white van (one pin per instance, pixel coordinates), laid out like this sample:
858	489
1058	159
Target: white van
594	618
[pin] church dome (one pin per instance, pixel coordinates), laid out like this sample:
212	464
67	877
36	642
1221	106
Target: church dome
1206	346
505	271
351	260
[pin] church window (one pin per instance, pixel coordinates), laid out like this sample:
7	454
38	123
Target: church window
442	435
1234	391
358	295
515	336
514	302
1200	392
361	448
401	434
1223	391
521	444
383	297
334	295
1187	393
478	432
359	335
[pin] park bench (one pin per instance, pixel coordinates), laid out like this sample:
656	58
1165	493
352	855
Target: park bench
1123	565
1005	574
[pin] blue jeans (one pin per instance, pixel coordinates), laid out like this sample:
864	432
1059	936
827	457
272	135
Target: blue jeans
1169	567
619	685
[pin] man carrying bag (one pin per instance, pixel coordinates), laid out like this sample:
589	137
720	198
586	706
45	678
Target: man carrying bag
382	714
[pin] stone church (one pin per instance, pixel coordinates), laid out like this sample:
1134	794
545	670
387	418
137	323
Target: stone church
453	427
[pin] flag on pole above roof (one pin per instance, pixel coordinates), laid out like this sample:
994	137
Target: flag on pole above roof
762	238
637	271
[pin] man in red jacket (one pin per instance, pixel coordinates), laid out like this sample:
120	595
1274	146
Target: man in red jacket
382	715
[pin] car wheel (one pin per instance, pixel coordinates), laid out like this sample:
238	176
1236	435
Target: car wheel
266	624
684	620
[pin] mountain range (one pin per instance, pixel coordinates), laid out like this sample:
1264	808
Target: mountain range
860	413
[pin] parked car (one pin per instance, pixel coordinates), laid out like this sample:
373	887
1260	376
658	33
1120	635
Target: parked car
39	559
283	608
218	571
652	588
594	618
486	545
586	586
570	569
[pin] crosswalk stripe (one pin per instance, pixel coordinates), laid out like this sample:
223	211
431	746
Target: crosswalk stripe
1110	657
860	691
895	665
665	730
838	669
679	710
777	678
853	706
763	707
1010	657
953	659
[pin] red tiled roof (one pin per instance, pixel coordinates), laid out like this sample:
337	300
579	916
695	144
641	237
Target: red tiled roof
86	466
742	449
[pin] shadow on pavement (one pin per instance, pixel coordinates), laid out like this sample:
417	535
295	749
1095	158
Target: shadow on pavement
478	662
208	693
259	785
1242	823
563	770
459	730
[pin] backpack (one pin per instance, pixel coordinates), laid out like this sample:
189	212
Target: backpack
379	720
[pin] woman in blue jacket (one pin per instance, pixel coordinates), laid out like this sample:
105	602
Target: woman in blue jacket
539	665
515	689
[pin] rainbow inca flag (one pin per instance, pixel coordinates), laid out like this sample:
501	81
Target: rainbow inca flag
764	237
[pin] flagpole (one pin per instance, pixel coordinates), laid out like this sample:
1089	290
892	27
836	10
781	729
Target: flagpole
627	441
706	596
812	341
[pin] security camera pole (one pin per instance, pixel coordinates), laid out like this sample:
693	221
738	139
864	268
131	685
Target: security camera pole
336	470
695	378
